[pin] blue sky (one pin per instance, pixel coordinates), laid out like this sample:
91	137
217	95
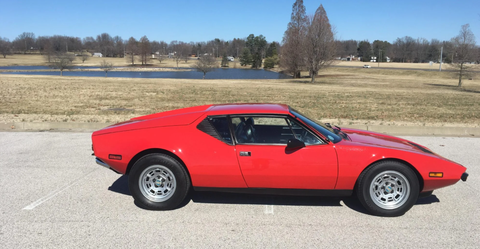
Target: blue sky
203	20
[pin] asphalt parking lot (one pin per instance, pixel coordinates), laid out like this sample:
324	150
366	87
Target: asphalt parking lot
54	195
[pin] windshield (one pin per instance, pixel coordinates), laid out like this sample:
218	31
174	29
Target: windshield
326	131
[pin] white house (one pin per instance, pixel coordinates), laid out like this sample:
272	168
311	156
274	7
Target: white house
97	55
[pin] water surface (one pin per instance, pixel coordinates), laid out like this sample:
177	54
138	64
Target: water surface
220	73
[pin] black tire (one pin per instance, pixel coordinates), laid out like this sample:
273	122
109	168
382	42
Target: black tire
395	192
151	180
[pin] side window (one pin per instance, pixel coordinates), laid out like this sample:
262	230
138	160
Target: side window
216	127
261	130
221	125
303	134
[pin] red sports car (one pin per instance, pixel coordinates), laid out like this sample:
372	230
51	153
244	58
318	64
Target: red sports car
267	148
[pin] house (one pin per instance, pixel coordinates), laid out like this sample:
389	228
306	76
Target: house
97	55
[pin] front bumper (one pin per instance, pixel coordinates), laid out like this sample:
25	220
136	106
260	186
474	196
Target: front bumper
102	163
464	176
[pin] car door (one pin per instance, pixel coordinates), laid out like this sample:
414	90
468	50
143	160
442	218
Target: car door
215	163
266	163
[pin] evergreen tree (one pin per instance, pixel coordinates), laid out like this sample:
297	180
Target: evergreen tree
246	57
256	60
272	50
269	63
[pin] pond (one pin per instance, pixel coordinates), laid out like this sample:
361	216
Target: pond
220	73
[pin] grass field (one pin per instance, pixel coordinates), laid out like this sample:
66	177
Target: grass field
341	95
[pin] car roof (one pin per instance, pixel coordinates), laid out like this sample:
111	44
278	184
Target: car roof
241	108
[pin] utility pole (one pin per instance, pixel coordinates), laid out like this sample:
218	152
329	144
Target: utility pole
441	55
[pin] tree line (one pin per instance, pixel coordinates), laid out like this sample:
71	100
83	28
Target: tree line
308	44
252	48
116	46
404	49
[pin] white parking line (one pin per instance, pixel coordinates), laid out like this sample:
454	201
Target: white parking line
268	209
54	193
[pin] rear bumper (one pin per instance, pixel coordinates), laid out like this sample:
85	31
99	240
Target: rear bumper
464	176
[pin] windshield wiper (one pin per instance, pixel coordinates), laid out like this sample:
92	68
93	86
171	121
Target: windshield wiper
328	125
339	130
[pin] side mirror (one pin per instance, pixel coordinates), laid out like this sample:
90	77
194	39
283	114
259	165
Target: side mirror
295	144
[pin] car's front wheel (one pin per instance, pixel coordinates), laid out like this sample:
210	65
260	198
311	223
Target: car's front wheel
158	182
388	188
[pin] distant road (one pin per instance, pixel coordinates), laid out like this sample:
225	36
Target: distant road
400	68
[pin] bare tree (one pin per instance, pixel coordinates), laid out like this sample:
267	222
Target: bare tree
132	49
185	49
105	44
347	48
178	57
144	47
206	64
160	58
119	46
106	66
292	58
5	47
89	43
85	56
319	43
464	44
25	41
63	61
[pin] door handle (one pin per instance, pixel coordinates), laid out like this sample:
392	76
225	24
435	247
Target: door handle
245	153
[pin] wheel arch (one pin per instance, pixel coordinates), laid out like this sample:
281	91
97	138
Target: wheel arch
419	177
155	150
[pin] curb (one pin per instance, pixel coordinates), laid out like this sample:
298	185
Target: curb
391	130
53	126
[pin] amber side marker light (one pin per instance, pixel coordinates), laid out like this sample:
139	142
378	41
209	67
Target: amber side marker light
436	174
115	157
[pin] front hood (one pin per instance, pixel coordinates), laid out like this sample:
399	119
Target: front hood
385	141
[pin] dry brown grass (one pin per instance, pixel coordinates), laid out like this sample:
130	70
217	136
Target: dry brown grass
346	95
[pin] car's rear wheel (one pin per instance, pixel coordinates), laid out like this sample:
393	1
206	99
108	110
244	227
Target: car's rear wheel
388	188
158	182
